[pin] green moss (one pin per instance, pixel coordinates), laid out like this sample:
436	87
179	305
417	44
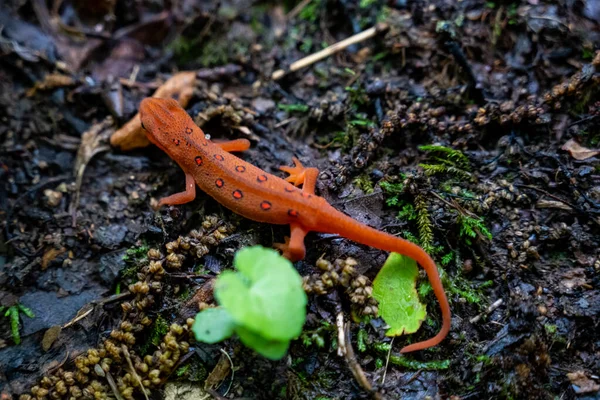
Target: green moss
405	362
408	213
357	95
302	108
361	338
135	258
392	191
13	314
470	227
159	329
447	161
310	12
424	224
363	182
181	371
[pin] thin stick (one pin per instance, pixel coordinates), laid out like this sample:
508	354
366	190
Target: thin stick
334	48
489	310
387	361
296	10
345	350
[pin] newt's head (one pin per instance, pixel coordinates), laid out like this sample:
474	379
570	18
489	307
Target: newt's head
165	121
161	117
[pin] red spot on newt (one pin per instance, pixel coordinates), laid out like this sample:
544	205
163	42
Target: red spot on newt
198	160
164	120
240	168
189	130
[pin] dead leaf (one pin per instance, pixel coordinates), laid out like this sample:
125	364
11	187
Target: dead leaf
50	337
581	383
51	255
543	203
93	142
180	87
579	152
52	81
219	373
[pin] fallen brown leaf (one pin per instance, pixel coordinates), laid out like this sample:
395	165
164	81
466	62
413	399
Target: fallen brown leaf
581	383
51	255
52	81
180	87
579	152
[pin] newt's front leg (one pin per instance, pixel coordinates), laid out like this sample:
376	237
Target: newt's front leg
299	175
234	145
183	197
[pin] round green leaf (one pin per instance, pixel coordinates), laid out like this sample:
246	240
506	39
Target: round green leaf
394	289
213	325
272	349
265	296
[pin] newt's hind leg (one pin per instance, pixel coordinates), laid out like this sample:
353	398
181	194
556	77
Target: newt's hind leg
234	145
293	249
302	176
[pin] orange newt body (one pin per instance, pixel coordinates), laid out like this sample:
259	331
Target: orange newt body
259	196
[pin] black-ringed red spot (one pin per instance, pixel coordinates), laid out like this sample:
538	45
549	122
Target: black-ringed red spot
219	157
307	195
198	160
220	183
176	141
290	189
265	205
188	130
240	168
261	178
205	143
293	213
237	194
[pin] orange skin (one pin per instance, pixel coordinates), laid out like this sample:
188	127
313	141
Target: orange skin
259	196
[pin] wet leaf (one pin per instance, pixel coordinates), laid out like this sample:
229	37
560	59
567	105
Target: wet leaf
581	383
395	290
579	152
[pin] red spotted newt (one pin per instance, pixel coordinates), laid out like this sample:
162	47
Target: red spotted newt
259	196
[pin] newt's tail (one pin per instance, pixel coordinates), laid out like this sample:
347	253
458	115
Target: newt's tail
354	230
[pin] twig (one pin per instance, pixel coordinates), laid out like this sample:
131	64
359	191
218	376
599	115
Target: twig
83	312
345	350
296	10
328	51
489	310
232	371
387	361
133	371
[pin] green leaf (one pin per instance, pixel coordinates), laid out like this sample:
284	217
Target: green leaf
394	289
272	349
266	296
13	314
213	325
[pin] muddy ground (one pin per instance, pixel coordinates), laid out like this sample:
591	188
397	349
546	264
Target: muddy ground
509	207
